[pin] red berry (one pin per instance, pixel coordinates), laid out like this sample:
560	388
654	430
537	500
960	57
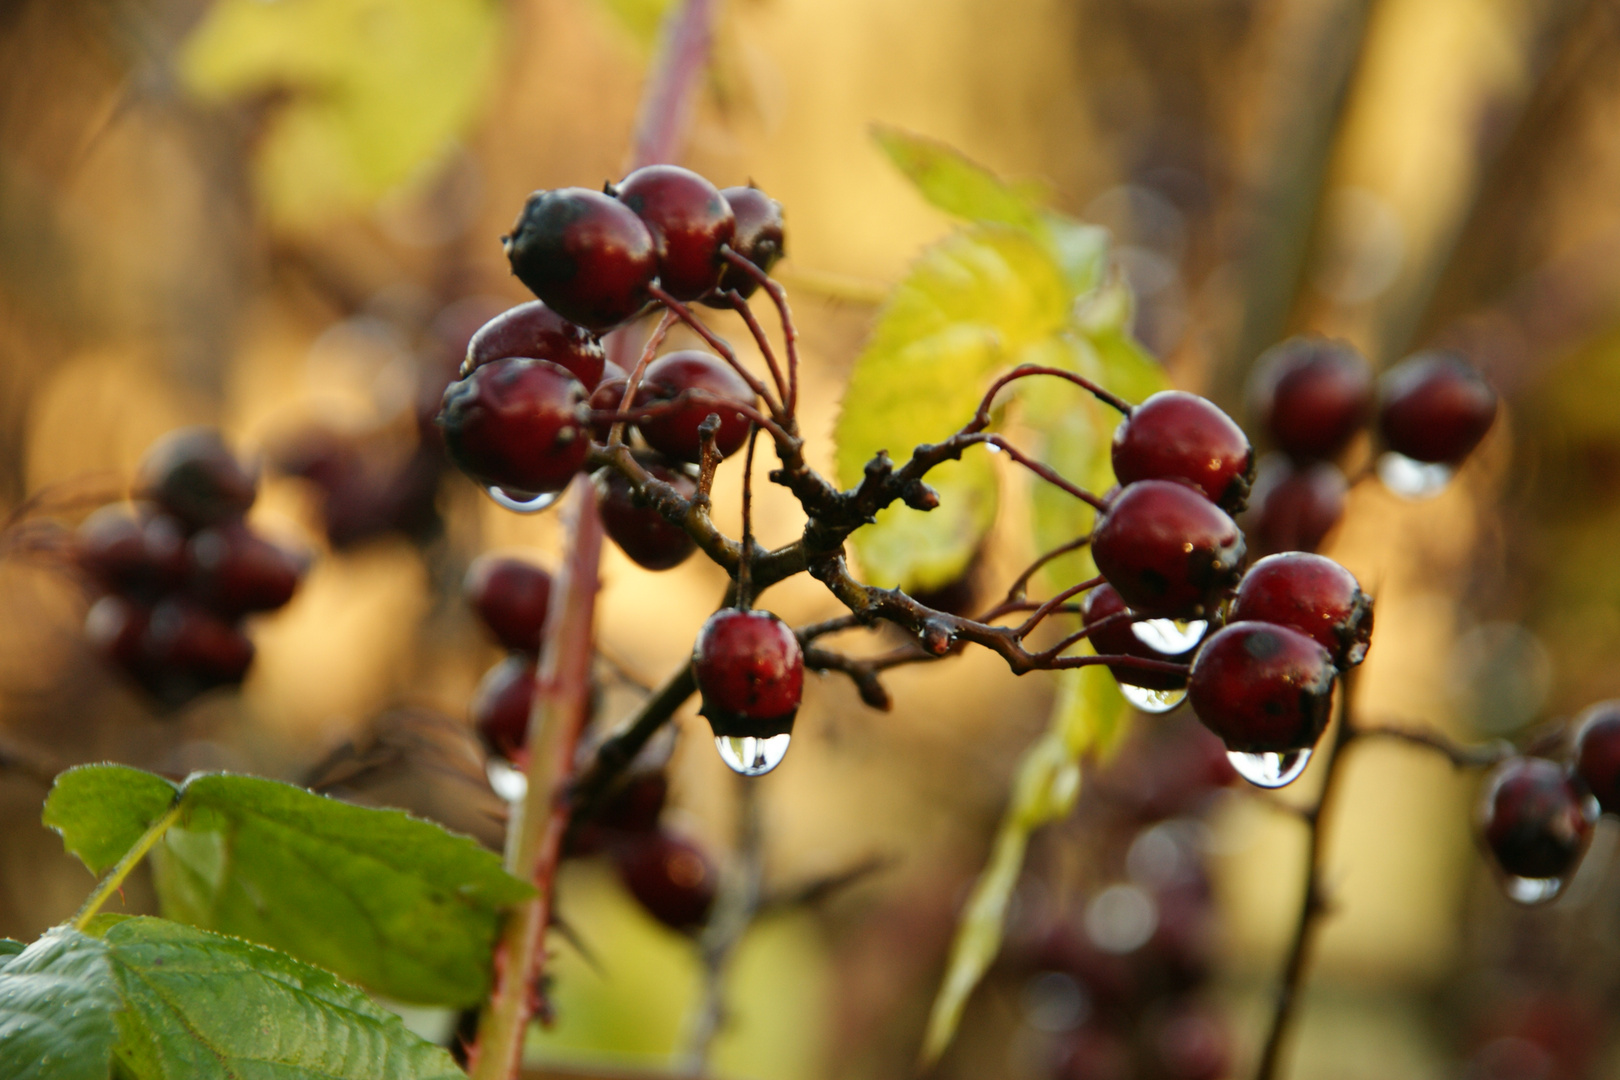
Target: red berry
1294	507
1311	594
187	650
116	628
1092	1052
1434	407
587	255
234	571
759	237
607	398
671	877
193	476
1169	551
634	807
1191	1044
1117	639
511	596
750	672
673	430
690	222
1532	819
535	331
1312	395
141	554
639	530
1597	753
501	704
521	425
1174	435
1262	688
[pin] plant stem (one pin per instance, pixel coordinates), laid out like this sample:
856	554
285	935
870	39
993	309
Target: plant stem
115	880
666	104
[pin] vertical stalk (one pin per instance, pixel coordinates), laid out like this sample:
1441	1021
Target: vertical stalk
115	878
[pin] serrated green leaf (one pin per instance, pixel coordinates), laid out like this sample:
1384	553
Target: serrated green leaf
57	1005
949	180
1081	250
101	810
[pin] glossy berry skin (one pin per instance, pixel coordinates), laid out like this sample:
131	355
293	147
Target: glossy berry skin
1311	395
760	237
1295	507
1434	407
673	431
690	222
1170	552
587	255
1262	688
1117	639
750	672
641	531
140	554
1311	594
521	425
501	704
1174	435
535	331
671	877
234	571
1532	819
192	475
510	595
1597	753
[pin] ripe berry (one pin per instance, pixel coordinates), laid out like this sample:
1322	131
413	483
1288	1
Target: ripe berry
673	431
501	704
633	808
193	476
671	877
587	255
234	572
1295	507
639	530
1191	1044
511	596
1311	594
141	554
1262	688
187	650
750	672
1312	395
1169	551
607	398
1597	753
1532	819
115	626
1174	435
1434	407
535	331
521	425
759	237
1117	639
690	221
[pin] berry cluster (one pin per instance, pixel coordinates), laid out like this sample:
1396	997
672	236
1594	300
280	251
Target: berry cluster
178	571
672	878
511	597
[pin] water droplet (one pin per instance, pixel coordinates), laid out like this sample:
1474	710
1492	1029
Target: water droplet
1169	636
509	783
533	505
1270	770
750	756
1526	890
1121	918
1152	701
992	447
1412	479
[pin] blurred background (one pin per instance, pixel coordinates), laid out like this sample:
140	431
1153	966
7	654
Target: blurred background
280	218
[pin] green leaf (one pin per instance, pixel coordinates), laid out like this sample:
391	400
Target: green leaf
394	903
949	180
57	1005
8	949
101	810
641	19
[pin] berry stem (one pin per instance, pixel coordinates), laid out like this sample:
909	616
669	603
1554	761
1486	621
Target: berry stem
1047	608
719	345
1045	472
790	332
1016	591
633	381
745	561
746	313
981	418
617	751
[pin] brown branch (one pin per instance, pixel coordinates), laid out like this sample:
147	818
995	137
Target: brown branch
1460	755
981	418
618	750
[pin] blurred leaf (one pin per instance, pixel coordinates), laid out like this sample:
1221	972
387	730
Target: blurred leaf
8	949
374	90
641	19
101	810
57	1002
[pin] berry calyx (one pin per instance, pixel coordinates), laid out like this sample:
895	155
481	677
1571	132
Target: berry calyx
1170	552
641	531
1312	395
587	255
518	424
1294	508
713	383
1532	819
671	877
1262	688
1174	435
501	705
1597	753
535	331
234	571
750	673
510	595
1311	594
192	475
1116	638
760	237
690	222
1434	407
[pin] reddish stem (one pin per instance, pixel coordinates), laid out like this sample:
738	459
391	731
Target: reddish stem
666	104
790	332
719	345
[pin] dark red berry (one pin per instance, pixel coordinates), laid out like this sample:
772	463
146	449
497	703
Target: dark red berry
1311	395
1597	753
632	808
1092	1052
760	237
607	398
1116	638
1434	407
587	255
521	425
511	596
690	222
141	554
712	384
116	628
187	650
192	475
535	331
234	572
1311	594
1262	688
1532	818
501	705
1169	551
1295	507
1174	435
1190	1043
671	877
750	672
641	531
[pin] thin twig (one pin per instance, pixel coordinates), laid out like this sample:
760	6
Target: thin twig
1015	591
745	581
1461	756
666	104
739	304
619	749
784	315
719	345
981	418
633	380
